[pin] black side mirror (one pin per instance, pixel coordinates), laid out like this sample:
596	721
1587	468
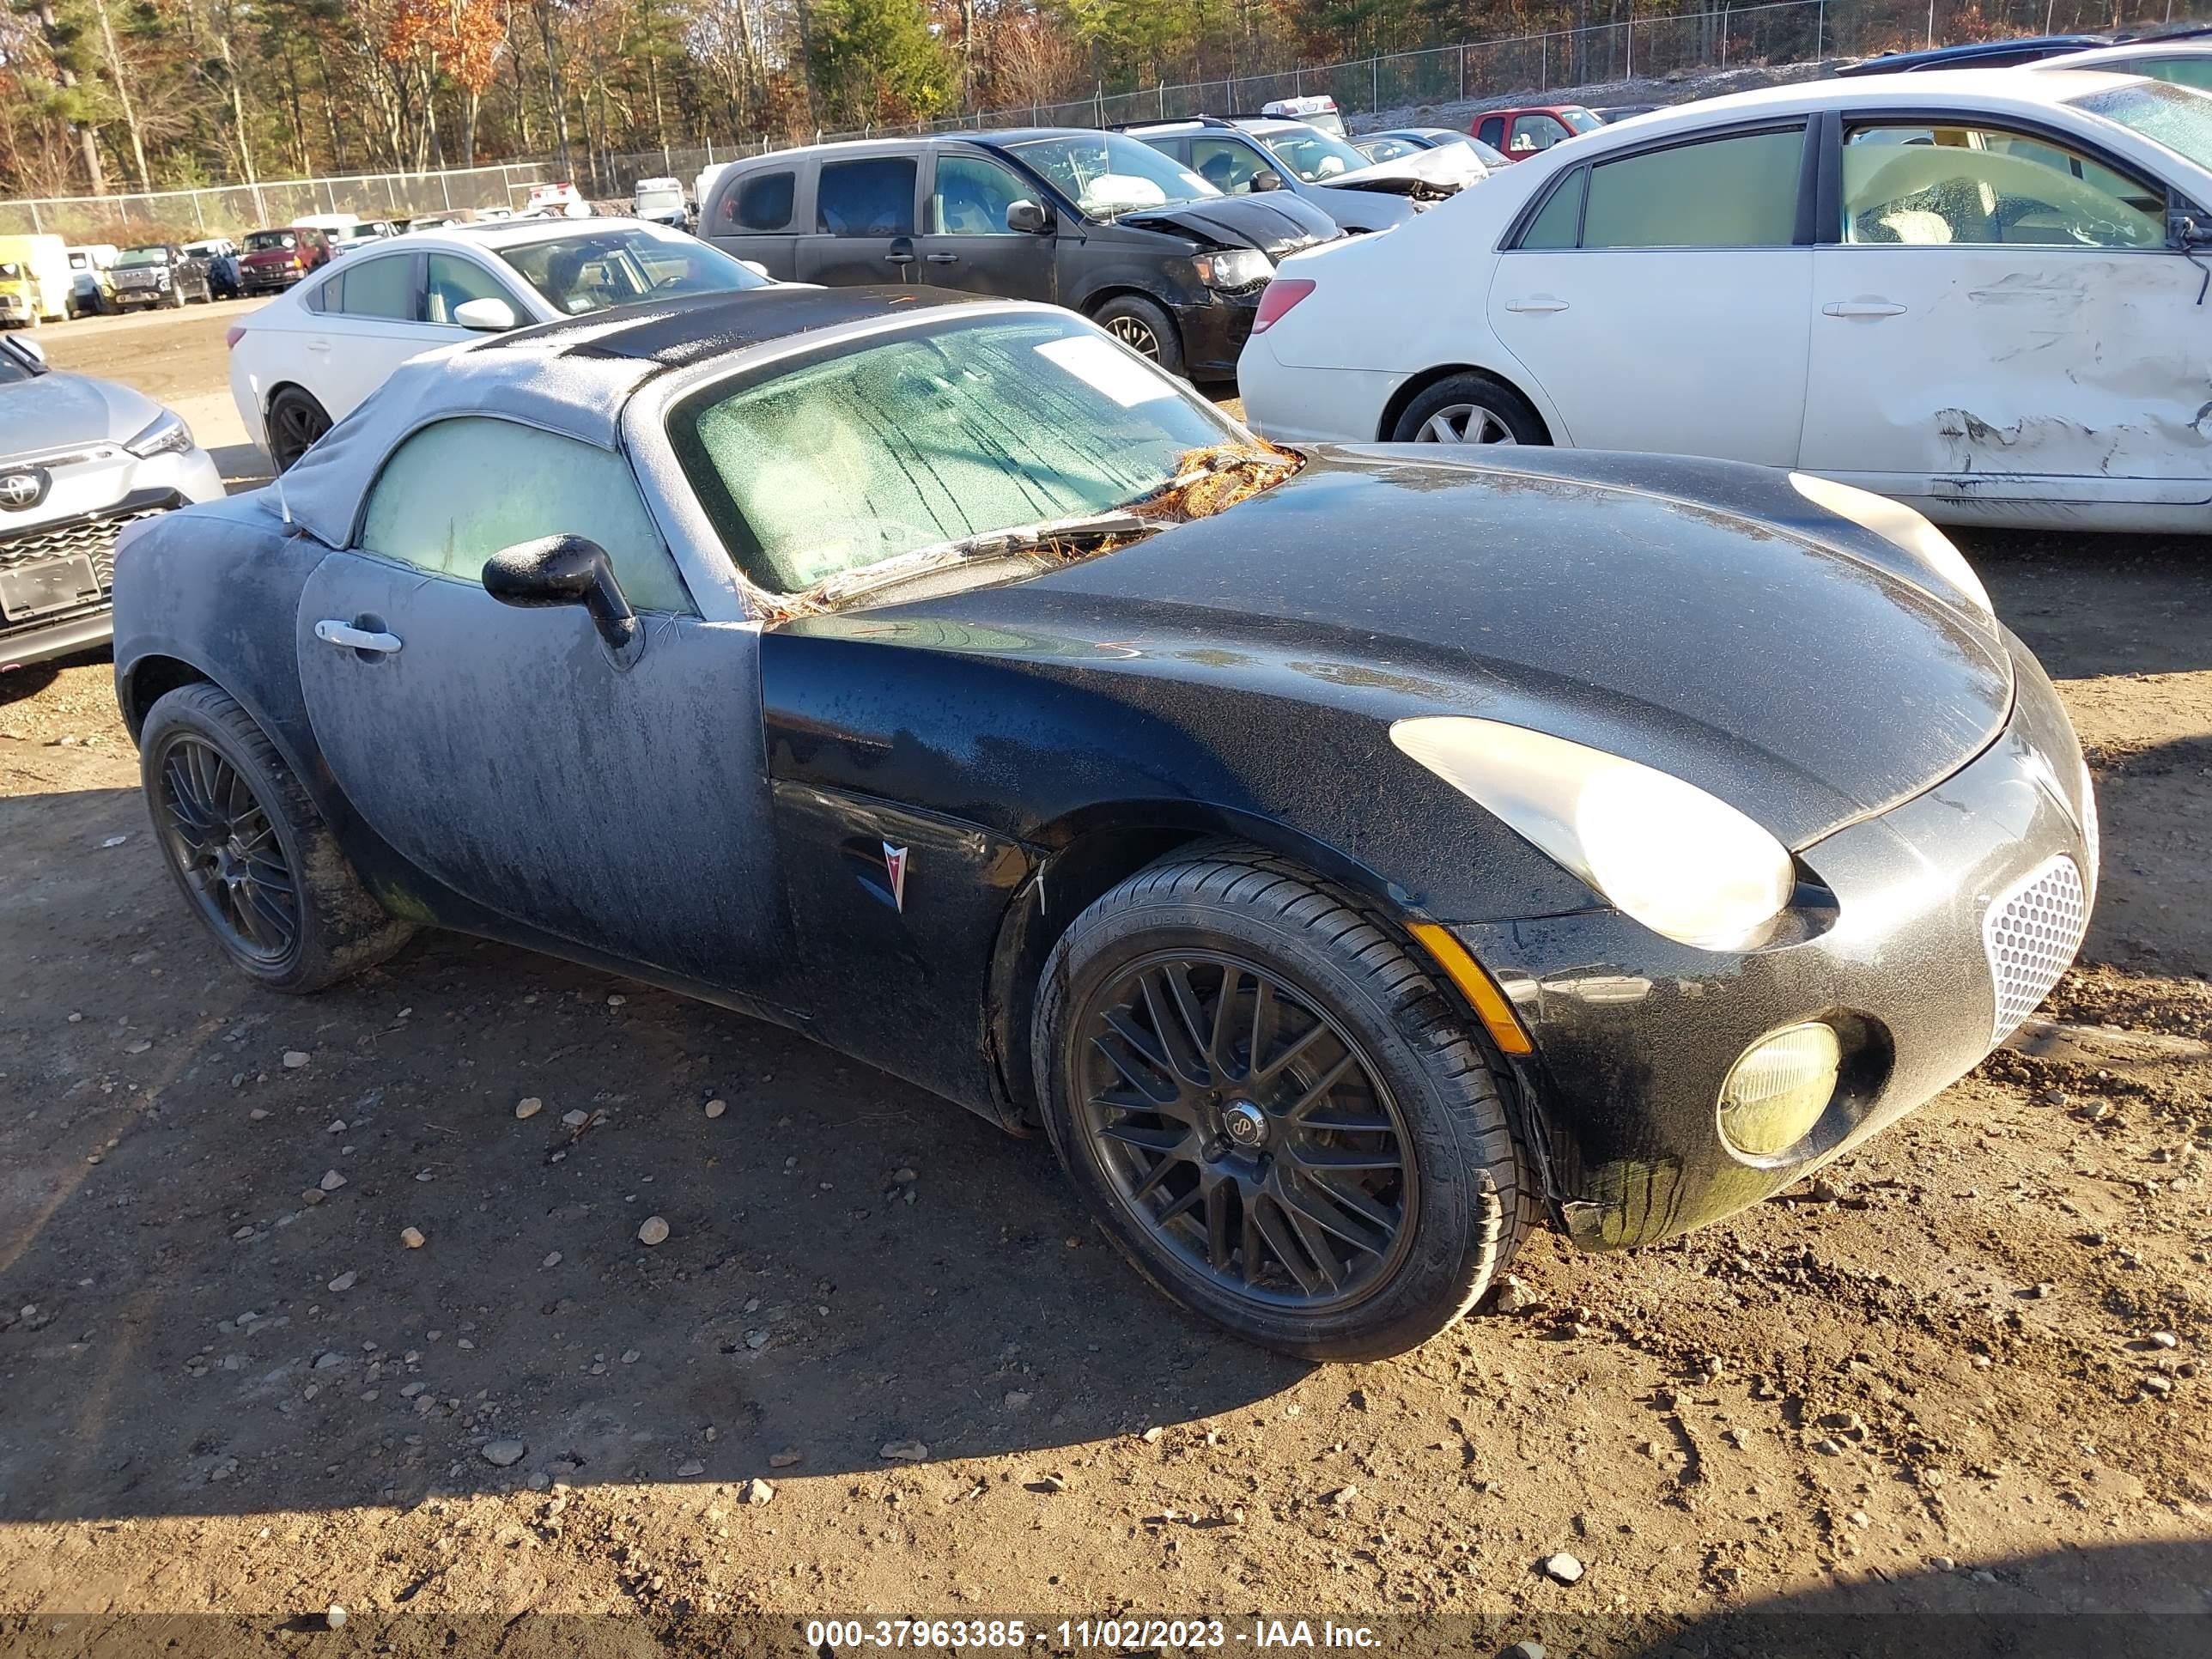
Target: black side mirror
565	570
1027	217
1267	179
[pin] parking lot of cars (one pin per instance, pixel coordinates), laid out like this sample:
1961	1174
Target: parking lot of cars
1350	866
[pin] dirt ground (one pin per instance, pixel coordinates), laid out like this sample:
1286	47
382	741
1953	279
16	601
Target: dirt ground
1961	1374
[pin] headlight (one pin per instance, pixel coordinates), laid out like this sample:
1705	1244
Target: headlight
1241	267
169	435
1778	1090
1664	852
1896	522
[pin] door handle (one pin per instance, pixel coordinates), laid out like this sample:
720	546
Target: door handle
1861	308
942	259
318	345
347	637
1537	302
899	258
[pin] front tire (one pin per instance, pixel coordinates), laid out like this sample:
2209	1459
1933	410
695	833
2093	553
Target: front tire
1146	329
249	851
1275	1111
1469	408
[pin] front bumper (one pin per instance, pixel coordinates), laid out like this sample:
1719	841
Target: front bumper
1214	329
252	279
1635	1034
158	485
136	294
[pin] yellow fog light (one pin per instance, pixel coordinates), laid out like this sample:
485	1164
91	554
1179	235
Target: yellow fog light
1776	1092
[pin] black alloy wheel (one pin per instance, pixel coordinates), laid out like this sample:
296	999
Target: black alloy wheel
221	840
295	421
1246	1129
1274	1109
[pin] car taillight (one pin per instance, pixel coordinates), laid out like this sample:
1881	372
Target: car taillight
231	336
1275	301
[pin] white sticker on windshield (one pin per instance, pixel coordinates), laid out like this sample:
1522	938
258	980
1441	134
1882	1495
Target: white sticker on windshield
1102	369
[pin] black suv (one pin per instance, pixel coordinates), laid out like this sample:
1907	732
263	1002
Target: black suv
1098	223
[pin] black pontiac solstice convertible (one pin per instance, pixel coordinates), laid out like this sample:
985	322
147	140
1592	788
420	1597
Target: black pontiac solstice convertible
1349	858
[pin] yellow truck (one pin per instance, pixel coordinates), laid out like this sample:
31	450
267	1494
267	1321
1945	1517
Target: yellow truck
35	280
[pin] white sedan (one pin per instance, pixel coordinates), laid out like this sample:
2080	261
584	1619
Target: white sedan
1980	292
303	362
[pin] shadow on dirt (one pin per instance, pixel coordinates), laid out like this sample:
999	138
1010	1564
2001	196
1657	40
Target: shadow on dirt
207	1301
2099	604
2144	1600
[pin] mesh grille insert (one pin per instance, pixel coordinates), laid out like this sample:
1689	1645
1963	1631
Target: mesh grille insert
2030	935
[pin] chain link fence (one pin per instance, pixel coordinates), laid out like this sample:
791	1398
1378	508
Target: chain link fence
1778	31
233	209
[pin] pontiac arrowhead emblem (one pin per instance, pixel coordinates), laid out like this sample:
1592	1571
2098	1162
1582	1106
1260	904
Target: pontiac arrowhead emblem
895	868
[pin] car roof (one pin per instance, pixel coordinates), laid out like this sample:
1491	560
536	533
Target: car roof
2130	51
996	138
497	234
573	378
1994	89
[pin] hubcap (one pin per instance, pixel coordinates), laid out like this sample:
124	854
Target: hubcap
1133	332
219	837
1242	1126
1464	423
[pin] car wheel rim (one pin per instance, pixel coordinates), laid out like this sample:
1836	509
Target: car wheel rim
1242	1127
298	426
1464	423
222	841
1136	334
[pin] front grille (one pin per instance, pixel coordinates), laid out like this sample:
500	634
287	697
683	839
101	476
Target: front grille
2030	935
93	539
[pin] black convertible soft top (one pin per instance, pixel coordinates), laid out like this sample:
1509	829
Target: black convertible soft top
677	333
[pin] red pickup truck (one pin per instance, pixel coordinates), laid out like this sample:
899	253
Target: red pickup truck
1521	133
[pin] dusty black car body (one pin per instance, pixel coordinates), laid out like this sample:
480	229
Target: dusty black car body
1026	746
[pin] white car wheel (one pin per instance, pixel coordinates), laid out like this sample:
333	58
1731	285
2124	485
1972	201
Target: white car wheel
1464	423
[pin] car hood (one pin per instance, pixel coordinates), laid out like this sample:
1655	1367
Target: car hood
1796	677
1443	170
56	410
1275	222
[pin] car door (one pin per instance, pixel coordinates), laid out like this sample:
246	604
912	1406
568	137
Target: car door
753	214
863	220
1997	317
508	753
360	324
1659	298
966	243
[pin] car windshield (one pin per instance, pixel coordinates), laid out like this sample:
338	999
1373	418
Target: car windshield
593	270
1488	154
1107	175
1312	153
270	242
2176	117
14	370
847	462
1580	120
10	272
133	258
659	201
1389	150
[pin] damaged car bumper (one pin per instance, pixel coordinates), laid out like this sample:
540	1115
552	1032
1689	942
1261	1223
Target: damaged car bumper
1953	915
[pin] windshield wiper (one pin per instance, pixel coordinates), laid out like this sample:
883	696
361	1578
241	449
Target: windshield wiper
986	544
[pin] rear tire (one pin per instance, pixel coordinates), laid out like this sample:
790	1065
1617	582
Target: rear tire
295	421
1146	329
1470	407
250	853
1341	1184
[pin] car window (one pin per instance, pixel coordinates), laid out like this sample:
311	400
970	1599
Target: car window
589	271
1739	192
972	197
1981	186
760	201
454	281
866	453
1493	131
1228	164
374	287
1533	132
430	507
870	198
2194	70
1558	221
